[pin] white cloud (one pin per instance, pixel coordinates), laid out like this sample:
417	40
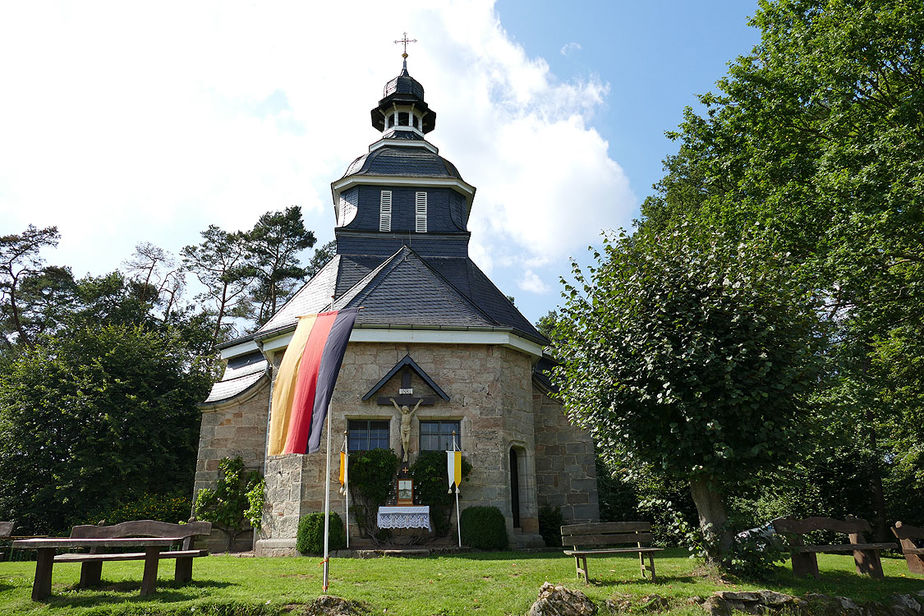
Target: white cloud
532	282
124	123
569	48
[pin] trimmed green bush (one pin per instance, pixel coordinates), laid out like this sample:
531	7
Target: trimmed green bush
310	539
484	528
550	522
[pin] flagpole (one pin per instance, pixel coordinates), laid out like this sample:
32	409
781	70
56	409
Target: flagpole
346	484
327	508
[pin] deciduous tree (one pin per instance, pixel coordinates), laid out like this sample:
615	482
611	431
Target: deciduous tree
689	356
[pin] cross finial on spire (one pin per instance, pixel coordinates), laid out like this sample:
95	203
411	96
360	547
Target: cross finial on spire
404	41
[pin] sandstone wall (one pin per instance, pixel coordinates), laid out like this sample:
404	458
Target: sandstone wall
490	394
566	477
236	428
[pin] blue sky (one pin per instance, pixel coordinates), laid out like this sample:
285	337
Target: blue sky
656	56
123	124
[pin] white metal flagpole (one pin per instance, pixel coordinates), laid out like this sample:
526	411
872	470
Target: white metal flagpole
327	508
346	483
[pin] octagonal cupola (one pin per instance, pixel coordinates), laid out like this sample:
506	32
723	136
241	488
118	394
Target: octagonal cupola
402	112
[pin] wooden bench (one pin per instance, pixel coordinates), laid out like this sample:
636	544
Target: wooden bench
914	555
598	538
92	562
804	557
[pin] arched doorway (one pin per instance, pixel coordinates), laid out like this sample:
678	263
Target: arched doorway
514	488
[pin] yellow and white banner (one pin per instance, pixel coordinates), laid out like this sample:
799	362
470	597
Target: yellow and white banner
454	469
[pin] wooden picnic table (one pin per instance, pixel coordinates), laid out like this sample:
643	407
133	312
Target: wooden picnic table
46	548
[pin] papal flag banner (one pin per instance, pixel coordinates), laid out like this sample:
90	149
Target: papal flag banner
454	468
306	379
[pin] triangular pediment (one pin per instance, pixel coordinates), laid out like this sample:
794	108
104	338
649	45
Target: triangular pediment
405	394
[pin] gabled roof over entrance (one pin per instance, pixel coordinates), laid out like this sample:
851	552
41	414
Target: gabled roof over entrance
412	365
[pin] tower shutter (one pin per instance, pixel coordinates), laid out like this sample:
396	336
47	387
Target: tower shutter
421	209
385	211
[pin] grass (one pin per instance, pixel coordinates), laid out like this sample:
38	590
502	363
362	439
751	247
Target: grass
481	583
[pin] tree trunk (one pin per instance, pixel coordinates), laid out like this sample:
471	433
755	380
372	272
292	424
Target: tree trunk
712	518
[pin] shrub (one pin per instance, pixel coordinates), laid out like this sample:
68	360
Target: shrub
310	538
756	557
431	487
372	476
550	522
236	504
484	528
171	508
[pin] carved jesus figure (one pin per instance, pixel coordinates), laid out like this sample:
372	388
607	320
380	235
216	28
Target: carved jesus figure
406	415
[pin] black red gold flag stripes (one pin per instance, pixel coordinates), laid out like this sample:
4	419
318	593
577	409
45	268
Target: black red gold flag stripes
306	379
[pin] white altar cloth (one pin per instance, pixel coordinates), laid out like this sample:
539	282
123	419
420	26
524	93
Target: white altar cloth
404	517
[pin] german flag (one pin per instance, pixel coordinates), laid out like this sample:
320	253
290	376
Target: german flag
306	379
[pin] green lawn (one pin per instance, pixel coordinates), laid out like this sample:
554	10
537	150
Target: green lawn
483	583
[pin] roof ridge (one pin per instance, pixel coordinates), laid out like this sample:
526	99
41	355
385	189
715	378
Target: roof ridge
474	265
449	283
393	260
354	291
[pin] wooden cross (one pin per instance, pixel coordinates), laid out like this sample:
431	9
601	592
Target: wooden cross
404	41
406	399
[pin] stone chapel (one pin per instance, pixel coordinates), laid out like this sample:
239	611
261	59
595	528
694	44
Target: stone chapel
434	329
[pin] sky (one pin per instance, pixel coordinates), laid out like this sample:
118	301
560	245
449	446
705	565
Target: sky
124	122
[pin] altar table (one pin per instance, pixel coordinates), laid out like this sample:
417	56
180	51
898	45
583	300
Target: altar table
404	517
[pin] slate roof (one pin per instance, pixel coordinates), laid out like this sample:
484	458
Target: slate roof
405	289
403	84
403	161
241	374
313	297
542	373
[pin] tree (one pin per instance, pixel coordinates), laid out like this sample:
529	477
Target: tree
546	324
157	276
43	299
20	260
320	258
93	417
815	136
689	357
275	243
221	262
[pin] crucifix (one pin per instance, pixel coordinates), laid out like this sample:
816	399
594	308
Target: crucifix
406	404
404	41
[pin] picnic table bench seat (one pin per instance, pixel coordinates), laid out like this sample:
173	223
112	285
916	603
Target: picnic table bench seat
804	559
907	536
600	538
92	562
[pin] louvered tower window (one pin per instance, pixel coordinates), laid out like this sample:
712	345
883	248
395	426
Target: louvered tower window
385	211
421	209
